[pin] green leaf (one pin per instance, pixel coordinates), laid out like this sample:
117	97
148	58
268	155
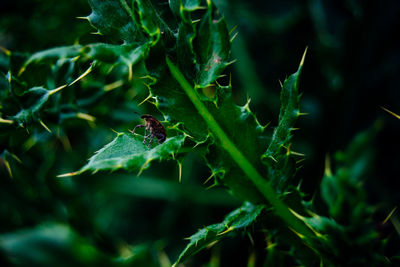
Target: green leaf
112	54
251	172
5	58
238	219
212	47
180	6
60	245
47	244
147	19
341	189
52	54
34	99
128	152
114	19
278	155
237	122
116	54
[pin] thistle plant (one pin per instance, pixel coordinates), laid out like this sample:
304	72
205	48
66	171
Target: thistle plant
179	53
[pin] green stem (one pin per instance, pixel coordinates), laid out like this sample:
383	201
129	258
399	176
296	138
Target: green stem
262	184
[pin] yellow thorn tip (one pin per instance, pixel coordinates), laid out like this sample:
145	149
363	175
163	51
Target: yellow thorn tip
304	56
389	216
328	171
67	174
391	113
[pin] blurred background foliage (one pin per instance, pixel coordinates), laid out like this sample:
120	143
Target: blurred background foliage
118	218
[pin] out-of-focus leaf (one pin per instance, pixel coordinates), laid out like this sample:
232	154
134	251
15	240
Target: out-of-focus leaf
275	257
168	190
49	244
52	55
128	152
59	245
35	98
4	59
341	189
178	6
127	54
343	192
236	220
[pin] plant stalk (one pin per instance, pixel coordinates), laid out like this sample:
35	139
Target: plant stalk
262	184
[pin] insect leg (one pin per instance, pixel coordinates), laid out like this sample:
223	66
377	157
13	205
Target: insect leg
151	139
137	126
161	138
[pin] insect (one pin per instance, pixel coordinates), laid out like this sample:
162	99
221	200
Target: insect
154	126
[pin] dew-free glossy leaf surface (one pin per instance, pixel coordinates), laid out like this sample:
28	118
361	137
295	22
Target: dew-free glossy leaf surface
128	152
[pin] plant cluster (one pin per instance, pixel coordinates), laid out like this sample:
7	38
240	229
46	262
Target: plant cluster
179	53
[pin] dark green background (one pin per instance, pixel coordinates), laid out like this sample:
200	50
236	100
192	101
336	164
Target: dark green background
351	69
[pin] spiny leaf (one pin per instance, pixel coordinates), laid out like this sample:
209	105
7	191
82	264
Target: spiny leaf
5	157
278	157
128	152
35	98
340	189
181	6
52	55
128	54
252	183
238	219
114	19
204	46
38	96
212	47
